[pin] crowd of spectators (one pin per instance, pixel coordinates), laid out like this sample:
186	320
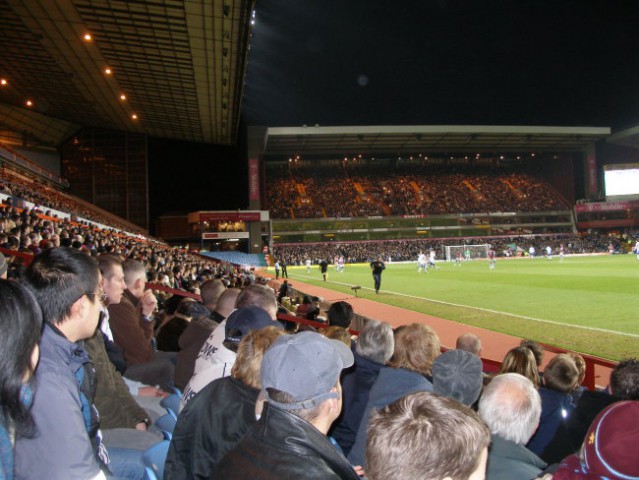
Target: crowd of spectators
408	250
47	198
425	190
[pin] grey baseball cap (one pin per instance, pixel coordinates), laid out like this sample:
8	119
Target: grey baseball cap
458	374
306	366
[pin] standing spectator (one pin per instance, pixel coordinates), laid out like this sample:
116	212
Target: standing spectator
21	324
277	269
377	267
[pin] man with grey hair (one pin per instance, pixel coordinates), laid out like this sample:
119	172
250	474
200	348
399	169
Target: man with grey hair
469	342
374	348
300	381
511	407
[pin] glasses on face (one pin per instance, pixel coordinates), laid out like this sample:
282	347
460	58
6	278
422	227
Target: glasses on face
101	295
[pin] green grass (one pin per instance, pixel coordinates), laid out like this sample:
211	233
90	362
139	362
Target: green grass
587	304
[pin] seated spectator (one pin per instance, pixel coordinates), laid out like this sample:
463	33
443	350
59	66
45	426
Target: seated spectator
560	378
337	333
197	332
304	307
212	358
511	407
118	409
219	416
169	333
424	436
374	348
458	374
66	284
581	368
409	370
132	325
522	361
610	448
238	325
469	342
289	440
211	290
21	324
571	433
537	350
340	314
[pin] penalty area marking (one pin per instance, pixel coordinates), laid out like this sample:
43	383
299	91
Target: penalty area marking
488	310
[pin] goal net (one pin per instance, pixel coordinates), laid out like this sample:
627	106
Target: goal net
467	252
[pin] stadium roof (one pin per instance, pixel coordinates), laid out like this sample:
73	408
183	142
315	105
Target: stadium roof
179	63
393	140
628	137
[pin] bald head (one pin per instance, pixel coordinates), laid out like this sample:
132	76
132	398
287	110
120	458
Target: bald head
211	291
226	303
469	342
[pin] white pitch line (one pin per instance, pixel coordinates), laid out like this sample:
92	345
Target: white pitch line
552	322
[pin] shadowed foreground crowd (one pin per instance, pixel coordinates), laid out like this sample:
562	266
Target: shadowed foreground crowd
95	383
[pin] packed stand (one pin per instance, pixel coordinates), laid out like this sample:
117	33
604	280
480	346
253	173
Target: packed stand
360	191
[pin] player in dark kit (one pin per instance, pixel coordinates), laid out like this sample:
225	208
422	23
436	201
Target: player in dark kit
324	268
378	267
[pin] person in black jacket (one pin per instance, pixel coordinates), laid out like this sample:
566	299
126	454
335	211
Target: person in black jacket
300	378
219	416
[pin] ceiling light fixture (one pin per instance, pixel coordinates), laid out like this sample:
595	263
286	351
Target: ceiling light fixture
122	97
108	71
134	116
4	82
87	37
29	103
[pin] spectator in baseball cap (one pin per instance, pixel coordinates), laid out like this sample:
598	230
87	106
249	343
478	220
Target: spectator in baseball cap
300	380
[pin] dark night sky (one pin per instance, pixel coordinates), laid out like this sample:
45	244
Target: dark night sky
464	62
422	62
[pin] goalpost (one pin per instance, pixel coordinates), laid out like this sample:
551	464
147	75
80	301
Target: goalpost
467	252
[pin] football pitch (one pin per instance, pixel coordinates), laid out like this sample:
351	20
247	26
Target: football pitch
585	303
